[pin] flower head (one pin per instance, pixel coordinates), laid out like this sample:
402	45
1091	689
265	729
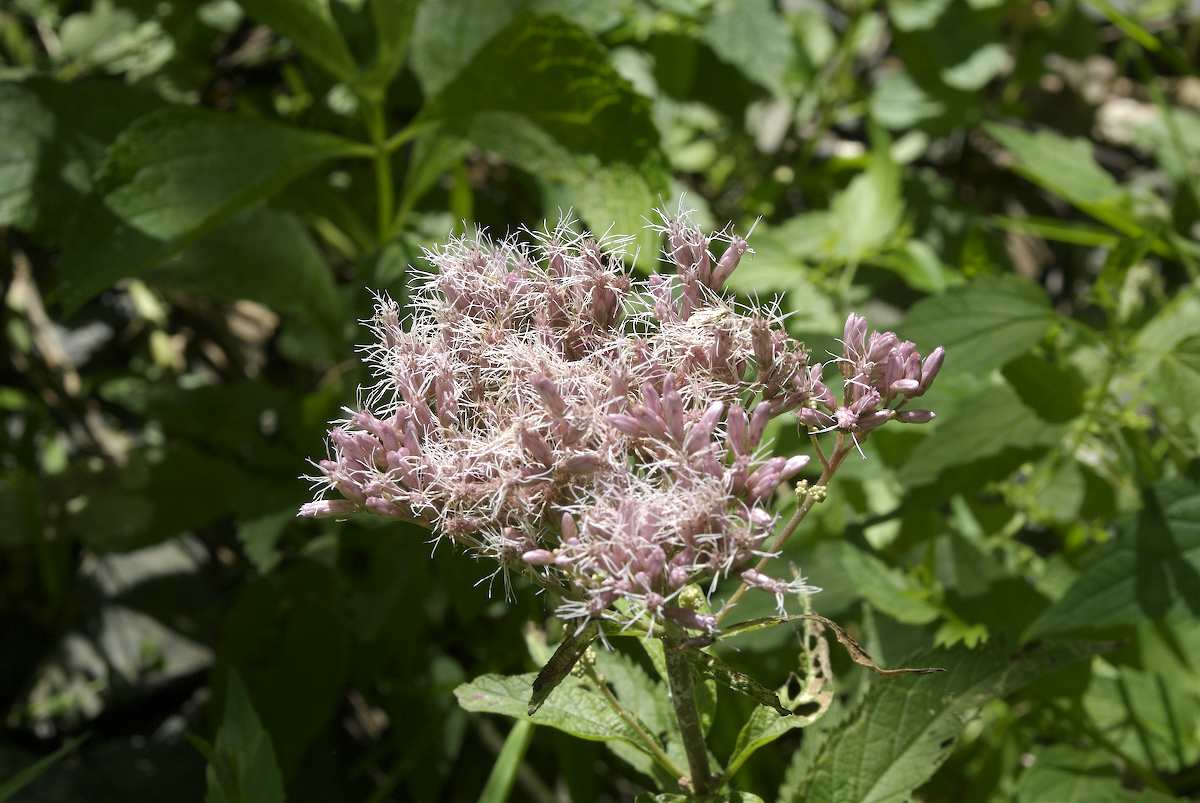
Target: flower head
598	433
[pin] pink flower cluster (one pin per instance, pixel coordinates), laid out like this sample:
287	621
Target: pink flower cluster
601	434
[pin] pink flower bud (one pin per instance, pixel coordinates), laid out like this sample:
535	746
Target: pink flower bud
915	416
931	366
326	509
904	386
538	557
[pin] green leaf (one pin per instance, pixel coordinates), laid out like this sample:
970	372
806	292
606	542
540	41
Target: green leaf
262	255
752	36
903	729
504	771
243	767
1067	168
571	708
808	704
394	21
52	138
311	28
560	664
1175	386
1055	392
888	589
447	35
1147	716
983	324
287	637
1149	570
985	425
1066	774
28	775
865	214
543	95
172	176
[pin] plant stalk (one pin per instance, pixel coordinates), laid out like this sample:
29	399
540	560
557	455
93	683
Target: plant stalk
683	698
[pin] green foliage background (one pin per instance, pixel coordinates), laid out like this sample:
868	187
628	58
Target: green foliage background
196	198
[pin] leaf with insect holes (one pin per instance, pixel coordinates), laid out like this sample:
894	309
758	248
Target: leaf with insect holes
904	728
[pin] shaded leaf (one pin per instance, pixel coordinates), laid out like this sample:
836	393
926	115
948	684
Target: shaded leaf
310	27
1150	569
982	325
242	767
572	708
1067	168
903	729
173	175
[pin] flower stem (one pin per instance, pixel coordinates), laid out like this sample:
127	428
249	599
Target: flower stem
830	467
683	697
647	740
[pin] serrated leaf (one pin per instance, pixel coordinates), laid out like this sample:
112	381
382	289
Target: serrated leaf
983	324
394	20
265	256
52	138
1066	774
753	37
571	708
1067	168
1149	570
814	697
311	28
543	95
903	729
173	175
986	425
287	638
888	589
243	768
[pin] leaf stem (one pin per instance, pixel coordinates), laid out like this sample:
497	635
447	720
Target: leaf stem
840	451
647	739
683	698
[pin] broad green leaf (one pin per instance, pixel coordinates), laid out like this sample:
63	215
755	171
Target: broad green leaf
1055	392
504	771
865	214
1067	168
986	425
242	768
1066	774
983	324
888	589
264	256
809	704
52	138
173	175
915	15
1178	320
903	729
753	37
286	636
542	94
14	784
1147	716
979	68
637	691
556	76
1149	570
393	21
447	35
899	103
311	28
1175	386
571	708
